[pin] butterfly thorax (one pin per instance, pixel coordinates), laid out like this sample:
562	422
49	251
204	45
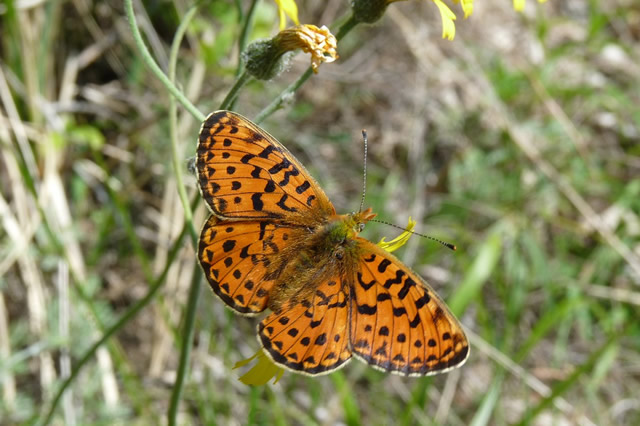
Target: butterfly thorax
330	250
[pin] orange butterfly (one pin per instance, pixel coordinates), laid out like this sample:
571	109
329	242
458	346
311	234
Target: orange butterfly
274	241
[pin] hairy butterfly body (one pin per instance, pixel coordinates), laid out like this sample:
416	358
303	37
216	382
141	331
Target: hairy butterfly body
274	241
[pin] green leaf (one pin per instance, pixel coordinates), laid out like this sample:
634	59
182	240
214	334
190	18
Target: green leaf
478	273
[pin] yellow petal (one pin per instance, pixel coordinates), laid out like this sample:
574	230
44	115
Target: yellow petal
262	372
283	19
448	26
518	5
245	361
400	240
467	7
319	42
289	8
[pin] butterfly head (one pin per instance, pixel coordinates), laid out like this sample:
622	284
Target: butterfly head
359	219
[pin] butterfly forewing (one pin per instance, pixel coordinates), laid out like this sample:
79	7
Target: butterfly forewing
244	173
398	322
310	335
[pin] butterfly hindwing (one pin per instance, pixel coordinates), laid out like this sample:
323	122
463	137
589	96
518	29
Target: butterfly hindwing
398	322
245	173
311	335
240	260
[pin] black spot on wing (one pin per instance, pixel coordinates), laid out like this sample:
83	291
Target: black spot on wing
364	285
247	158
283	206
303	187
383	296
265	152
270	186
257	202
408	283
397	280
383	265
279	166
367	310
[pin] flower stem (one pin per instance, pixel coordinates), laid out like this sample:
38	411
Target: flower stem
244	35
151	63
187	341
276	104
345	28
233	93
194	291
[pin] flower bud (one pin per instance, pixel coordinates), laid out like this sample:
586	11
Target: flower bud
265	59
369	11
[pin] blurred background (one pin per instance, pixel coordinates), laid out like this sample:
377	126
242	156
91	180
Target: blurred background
518	141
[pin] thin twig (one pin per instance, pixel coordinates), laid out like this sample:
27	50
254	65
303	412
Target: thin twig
146	57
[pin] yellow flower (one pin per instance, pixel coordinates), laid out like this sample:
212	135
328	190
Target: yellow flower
467	7
319	42
448	27
287	8
265	59
262	372
369	11
400	240
518	5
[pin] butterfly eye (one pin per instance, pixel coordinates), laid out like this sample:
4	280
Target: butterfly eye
339	255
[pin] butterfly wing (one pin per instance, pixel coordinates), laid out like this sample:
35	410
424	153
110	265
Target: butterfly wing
310	336
240	260
398	322
245	173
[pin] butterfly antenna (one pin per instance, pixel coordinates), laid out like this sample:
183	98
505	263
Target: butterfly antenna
428	237
364	175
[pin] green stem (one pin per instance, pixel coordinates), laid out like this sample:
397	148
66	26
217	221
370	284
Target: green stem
173	125
277	102
187	341
146	57
344	29
194	291
233	93
244	35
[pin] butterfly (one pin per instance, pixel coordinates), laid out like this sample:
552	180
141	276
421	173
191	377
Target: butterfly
274	241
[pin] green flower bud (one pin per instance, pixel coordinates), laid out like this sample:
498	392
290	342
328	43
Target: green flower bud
265	59
369	11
